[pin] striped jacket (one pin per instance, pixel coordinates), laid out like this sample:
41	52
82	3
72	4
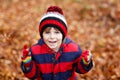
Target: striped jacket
46	65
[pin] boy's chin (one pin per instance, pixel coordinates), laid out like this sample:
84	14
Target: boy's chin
52	47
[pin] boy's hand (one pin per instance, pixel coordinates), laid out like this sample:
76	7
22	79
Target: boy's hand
26	56
86	57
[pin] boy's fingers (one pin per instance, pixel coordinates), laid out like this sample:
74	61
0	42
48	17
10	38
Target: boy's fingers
87	55
25	51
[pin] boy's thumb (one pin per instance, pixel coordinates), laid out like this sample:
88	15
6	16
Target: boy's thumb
25	46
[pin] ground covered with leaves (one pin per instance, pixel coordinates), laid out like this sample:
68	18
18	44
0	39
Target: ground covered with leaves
93	24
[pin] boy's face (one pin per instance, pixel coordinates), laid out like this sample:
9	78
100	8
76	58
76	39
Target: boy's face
53	38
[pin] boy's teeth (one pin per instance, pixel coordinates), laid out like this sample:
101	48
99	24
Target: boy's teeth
52	41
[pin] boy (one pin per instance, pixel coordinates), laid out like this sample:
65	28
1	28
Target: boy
55	56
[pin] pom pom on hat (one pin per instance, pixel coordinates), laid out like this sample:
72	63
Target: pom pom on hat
55	9
53	18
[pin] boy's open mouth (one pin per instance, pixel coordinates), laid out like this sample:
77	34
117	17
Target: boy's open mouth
52	41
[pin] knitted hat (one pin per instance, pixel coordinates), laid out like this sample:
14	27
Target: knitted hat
53	18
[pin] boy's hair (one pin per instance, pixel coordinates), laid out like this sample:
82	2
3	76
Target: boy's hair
53	18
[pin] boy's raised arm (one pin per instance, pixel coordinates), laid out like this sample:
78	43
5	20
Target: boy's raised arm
84	63
28	66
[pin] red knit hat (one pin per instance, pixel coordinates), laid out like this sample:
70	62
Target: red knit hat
53	18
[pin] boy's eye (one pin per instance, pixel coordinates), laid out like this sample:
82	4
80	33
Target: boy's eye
57	32
47	32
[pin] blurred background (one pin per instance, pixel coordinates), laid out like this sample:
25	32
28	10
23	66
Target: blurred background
93	24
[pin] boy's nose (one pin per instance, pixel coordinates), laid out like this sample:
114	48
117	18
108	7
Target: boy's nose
52	35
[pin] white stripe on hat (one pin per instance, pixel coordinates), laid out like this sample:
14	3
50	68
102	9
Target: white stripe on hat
54	14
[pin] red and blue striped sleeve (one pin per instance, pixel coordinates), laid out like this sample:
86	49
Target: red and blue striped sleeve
31	72
80	66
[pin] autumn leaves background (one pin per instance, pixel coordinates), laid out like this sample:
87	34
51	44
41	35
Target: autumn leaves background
94	24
